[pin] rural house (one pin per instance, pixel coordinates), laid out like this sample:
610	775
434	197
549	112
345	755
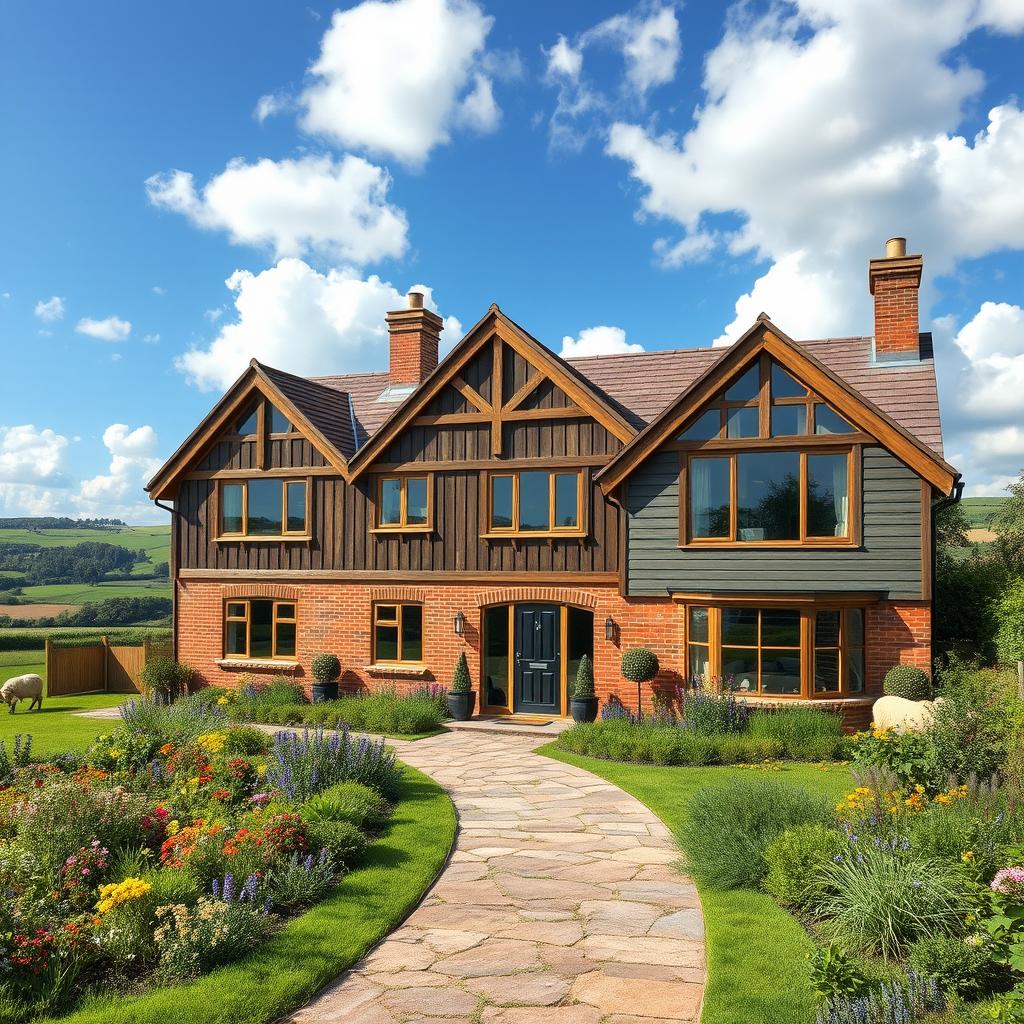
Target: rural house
760	514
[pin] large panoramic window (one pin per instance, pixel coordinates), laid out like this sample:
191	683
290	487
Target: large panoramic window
776	651
535	502
264	508
259	629
397	634
404	503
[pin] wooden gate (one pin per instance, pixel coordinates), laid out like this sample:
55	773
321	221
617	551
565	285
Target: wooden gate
98	668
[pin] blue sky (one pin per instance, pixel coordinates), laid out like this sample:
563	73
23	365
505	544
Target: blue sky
658	172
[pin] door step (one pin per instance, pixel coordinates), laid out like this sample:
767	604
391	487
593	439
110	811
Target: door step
516	726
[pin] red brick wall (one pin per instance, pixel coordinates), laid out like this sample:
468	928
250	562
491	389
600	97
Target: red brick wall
896	313
335	617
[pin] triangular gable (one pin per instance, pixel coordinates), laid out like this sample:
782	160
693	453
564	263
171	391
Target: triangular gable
764	336
497	330
316	411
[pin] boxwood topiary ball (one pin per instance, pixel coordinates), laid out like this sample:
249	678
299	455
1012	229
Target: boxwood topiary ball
326	668
639	665
907	682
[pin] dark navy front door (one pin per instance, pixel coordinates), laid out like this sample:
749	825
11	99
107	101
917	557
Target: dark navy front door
538	671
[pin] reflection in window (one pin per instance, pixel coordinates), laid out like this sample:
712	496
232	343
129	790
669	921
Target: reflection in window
579	638
698	645
768	496
496	656
501	502
397	633
279	423
707	426
828	422
263	508
403	502
535	501
247	425
746	387
744	421
789	420
259	629
761	650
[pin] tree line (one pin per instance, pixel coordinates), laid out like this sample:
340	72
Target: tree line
88	562
59	523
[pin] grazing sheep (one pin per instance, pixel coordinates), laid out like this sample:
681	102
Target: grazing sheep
904	715
21	687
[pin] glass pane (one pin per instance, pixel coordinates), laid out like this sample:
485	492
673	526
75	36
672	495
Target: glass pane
579	638
416	501
236	611
231	508
496	656
855	627
828	499
391	502
826	671
296	508
264	511
286	639
739	670
826	629
789	420
828	422
743	422
412	632
739	626
705	427
855	670
387	613
261	629
566	492
768	489
534	513
698	631
698	662
279	423
385	643
780	627
780	671
746	388
285	611
501	502
783	386
235	638
247	424
709	498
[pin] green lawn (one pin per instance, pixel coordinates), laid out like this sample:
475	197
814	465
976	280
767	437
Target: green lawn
88	593
55	728
310	951
757	968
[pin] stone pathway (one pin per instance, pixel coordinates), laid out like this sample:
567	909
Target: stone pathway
560	904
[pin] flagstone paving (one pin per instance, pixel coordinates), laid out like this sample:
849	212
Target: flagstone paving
560	905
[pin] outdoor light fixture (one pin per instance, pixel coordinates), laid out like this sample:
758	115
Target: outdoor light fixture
609	628
460	623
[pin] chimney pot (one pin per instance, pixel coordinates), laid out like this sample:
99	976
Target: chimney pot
415	300
895	247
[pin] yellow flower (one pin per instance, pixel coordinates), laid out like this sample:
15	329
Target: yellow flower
222	700
117	893
967	856
261	769
212	742
173	827
115	753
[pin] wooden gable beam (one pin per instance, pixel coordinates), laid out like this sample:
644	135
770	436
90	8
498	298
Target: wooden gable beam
533	382
470	394
497	389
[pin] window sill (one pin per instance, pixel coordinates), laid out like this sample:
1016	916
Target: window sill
787	698
782	545
397	670
401	529
296	538
545	535
250	663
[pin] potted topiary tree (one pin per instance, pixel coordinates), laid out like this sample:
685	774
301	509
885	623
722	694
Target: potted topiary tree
461	699
639	665
326	669
908	682
583	703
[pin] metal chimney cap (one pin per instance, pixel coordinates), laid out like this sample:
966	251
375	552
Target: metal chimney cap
415	300
895	247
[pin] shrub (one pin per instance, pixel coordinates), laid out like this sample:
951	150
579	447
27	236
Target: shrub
795	860
460	678
908	758
326	668
964	966
739	748
908	682
300	881
882	898
806	733
729	828
243	739
583	688
166	678
639	665
348	801
343	842
712	714
184	720
1010	619
834	974
193	940
20	755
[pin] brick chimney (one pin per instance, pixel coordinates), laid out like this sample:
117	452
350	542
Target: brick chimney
414	338
894	281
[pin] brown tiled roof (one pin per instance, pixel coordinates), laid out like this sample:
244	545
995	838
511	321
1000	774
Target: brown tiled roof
324	407
643	384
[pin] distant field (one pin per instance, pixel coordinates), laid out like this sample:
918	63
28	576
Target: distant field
87	593
19	663
35	611
980	511
154	540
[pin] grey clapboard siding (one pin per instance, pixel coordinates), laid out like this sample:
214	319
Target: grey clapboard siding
889	560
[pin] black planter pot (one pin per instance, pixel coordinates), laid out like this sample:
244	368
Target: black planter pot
460	705
325	691
583	709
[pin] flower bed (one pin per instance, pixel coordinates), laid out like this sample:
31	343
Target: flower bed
174	845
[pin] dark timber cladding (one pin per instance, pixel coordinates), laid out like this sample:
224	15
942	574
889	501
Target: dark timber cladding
889	560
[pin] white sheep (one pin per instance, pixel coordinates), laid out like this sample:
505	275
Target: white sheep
21	687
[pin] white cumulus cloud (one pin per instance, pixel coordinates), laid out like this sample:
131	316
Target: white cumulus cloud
303	321
314	205
49	310
598	341
111	328
395	78
29	455
119	491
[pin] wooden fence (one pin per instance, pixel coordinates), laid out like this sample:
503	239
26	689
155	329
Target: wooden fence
98	668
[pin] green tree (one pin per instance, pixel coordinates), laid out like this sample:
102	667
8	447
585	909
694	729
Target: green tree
951	526
1009	526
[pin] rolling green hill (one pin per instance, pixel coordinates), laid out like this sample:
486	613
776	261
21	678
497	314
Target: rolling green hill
981	511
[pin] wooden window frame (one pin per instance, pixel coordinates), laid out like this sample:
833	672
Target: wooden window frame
276	618
808	609
244	536
403	526
398	623
492	532
853	477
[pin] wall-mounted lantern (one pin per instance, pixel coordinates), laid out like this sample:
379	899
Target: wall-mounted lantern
609	628
460	623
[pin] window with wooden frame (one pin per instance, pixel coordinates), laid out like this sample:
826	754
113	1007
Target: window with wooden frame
405	503
397	634
259	629
264	509
808	650
535	503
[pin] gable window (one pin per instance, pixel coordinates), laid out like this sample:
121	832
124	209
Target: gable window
260	629
802	651
397	634
264	508
279	423
538	502
405	503
248	423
